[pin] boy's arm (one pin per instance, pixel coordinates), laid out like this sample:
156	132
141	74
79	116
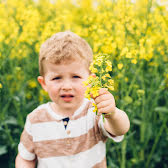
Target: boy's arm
22	163
116	121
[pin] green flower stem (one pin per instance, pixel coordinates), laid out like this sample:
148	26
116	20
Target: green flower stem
156	141
142	128
123	153
124	143
7	131
100	78
134	79
123	149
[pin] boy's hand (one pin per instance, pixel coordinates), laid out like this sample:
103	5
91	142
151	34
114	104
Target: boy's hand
105	102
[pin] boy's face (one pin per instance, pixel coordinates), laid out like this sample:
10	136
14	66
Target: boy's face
63	82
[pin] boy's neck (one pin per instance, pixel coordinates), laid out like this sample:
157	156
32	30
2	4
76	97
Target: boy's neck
64	113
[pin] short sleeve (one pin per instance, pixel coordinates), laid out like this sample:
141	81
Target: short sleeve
106	133
26	145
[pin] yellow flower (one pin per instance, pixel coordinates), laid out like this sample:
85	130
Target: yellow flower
111	81
111	88
87	93
126	79
134	61
104	77
98	62
94	91
128	55
32	84
107	75
0	86
90	78
108	68
85	82
43	95
108	63
95	109
92	68
120	66
124	51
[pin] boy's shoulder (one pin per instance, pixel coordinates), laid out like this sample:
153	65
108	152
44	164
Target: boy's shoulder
43	113
40	114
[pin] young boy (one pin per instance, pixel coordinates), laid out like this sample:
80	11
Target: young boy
66	133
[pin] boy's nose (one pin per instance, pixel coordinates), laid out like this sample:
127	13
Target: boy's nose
67	85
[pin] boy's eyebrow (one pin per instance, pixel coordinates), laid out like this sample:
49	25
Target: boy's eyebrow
53	74
77	73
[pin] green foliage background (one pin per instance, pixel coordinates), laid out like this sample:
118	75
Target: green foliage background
134	34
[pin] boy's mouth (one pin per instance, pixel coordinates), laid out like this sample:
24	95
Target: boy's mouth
67	97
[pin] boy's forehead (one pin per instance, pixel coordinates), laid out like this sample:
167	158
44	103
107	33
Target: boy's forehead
65	62
75	66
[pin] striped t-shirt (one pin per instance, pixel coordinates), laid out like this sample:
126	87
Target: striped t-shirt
80	145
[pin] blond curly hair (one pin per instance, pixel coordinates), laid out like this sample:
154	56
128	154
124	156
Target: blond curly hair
64	46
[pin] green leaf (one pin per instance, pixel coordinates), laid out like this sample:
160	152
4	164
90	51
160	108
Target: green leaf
136	121
12	121
3	150
161	109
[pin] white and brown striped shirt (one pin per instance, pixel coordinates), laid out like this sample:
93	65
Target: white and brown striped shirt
80	145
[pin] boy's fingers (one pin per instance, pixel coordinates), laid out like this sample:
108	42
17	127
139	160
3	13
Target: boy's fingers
103	104
101	98
104	109
92	96
94	75
103	91
100	93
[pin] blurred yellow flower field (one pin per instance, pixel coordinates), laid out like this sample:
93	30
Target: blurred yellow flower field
132	36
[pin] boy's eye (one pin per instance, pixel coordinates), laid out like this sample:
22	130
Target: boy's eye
76	76
56	78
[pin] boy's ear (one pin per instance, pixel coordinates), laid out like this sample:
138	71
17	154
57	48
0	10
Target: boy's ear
42	82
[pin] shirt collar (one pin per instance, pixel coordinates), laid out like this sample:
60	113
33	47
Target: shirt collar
59	117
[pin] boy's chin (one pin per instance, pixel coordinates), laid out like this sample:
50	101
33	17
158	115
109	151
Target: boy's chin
70	107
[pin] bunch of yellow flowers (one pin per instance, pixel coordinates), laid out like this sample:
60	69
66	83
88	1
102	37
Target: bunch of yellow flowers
101	68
